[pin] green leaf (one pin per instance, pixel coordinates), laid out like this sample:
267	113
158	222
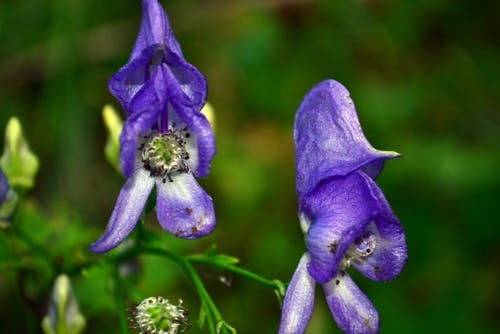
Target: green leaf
203	315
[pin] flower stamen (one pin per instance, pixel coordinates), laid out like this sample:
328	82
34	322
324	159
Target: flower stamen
361	248
164	155
156	315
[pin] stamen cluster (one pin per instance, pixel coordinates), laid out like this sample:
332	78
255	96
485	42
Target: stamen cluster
156	315
363	247
164	155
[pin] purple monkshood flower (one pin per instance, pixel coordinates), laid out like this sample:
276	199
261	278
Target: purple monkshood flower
166	141
346	218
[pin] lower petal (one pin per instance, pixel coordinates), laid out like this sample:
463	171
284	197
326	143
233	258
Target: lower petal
184	208
127	211
299	300
390	254
338	209
351	309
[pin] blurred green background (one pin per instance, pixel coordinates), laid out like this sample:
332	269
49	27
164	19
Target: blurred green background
424	76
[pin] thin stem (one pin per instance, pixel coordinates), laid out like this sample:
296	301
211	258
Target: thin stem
203	259
120	301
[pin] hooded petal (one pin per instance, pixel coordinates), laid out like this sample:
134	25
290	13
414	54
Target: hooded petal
298	304
329	141
127	211
155	29
184	208
156	46
339	209
390	251
352	310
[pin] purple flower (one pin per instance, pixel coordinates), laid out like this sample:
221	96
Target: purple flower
4	187
165	140
8	200
344	214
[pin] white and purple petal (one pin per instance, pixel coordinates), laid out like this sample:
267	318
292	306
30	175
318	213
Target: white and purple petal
339	210
298	304
184	208
390	251
329	140
133	128
128	209
351	309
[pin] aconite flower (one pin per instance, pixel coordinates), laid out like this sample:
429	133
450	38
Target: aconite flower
344	214
166	141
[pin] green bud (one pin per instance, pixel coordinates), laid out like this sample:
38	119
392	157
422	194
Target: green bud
18	162
114	126
63	315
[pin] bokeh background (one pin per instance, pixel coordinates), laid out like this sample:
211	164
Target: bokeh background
424	76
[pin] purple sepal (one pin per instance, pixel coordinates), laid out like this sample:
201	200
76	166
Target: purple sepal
4	187
201	143
156	48
351	309
199	125
339	209
127	211
184	208
390	254
298	304
155	29
329	141
134	126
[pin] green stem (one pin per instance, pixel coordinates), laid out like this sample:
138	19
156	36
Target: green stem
188	268
120	301
203	259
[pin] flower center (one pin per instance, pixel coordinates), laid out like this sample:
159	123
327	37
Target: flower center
365	244
362	247
164	155
158	315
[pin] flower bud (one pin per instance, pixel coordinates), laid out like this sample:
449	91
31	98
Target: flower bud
19	163
63	315
114	126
